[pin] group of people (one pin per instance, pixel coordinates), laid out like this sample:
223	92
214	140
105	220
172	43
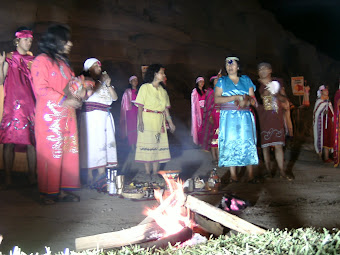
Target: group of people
46	103
226	117
47	107
326	126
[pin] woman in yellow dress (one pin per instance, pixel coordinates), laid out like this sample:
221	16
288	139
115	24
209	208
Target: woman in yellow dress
153	113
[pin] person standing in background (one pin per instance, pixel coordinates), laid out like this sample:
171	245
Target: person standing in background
211	122
17	125
323	124
271	119
129	112
197	107
336	152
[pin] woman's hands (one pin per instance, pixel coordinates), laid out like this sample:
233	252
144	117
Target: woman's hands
141	126
172	127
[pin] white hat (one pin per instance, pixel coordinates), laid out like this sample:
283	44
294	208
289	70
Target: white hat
89	62
199	79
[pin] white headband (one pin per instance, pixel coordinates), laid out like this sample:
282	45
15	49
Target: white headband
199	79
132	77
89	62
232	58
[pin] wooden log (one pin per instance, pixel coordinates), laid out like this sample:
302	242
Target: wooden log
226	219
209	226
137	234
180	237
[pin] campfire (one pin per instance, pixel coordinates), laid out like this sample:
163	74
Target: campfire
173	221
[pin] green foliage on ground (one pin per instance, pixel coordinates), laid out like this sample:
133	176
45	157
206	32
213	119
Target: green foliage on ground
297	241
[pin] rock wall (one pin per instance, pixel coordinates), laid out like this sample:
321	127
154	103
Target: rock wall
190	38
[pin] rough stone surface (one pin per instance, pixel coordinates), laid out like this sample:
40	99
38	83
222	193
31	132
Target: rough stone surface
192	34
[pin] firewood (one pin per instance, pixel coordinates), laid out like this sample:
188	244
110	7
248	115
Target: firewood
137	234
180	237
226	219
209	226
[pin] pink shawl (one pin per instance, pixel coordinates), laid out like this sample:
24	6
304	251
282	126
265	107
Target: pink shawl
126	105
208	127
196	116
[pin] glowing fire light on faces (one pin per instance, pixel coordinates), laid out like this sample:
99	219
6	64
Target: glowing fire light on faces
176	216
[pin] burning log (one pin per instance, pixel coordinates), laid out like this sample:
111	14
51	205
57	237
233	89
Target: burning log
172	216
222	217
215	214
179	237
137	234
209	226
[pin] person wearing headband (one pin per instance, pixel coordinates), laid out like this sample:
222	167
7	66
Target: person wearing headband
323	124
211	121
237	132
197	105
153	103
270	114
129	112
17	124
56	130
97	128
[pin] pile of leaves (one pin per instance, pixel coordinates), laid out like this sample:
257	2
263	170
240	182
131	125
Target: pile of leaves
297	241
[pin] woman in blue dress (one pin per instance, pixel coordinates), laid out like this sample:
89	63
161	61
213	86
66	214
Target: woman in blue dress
237	132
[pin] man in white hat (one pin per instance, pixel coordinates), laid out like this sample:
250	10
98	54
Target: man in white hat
323	124
97	129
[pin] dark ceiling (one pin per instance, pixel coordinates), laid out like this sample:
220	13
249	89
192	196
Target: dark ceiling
314	21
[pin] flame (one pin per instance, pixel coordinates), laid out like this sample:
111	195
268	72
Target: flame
175	216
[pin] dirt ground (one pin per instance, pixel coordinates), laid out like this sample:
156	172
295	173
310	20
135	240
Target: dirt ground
312	199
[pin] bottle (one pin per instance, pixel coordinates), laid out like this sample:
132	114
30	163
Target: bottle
214	181
113	188
108	179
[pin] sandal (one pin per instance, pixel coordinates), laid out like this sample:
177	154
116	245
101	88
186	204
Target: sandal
287	177
46	200
69	198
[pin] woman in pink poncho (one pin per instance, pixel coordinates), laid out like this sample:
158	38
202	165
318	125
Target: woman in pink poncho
56	130
129	112
197	108
211	122
17	125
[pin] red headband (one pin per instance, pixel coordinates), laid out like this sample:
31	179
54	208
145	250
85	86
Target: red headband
24	34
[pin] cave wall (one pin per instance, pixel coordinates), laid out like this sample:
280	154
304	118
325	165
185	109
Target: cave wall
190	38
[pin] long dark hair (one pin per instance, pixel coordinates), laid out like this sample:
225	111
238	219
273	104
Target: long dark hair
53	41
201	92
150	73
